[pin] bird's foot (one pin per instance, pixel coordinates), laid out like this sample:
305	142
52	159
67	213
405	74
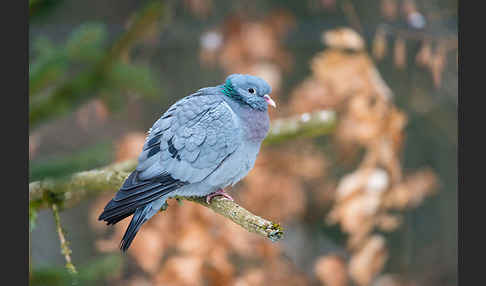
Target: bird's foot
219	192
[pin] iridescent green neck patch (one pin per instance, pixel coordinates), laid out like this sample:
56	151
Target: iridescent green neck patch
228	89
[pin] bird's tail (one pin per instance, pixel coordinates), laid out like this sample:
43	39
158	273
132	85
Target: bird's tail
143	199
140	216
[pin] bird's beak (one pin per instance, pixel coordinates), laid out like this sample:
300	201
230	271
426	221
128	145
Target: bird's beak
269	100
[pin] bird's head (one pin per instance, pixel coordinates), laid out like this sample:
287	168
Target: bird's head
249	90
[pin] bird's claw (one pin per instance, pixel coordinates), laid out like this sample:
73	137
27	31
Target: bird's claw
219	192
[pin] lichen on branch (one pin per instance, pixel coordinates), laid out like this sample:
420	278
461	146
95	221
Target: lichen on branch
241	216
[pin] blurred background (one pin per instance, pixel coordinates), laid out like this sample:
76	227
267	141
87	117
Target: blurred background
372	203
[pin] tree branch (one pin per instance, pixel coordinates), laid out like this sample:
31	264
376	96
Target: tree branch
241	216
69	191
65	250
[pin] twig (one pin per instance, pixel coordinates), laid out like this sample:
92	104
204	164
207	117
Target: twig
65	250
301	126
81	185
242	217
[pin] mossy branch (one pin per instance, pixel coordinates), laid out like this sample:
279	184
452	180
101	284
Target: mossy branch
71	190
241	216
65	250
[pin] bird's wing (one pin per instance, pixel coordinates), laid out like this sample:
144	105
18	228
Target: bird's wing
184	146
190	140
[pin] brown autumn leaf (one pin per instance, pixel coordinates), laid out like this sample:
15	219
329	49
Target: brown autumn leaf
147	249
352	183
379	44
387	222
180	270
359	197
356	216
272	272
368	261
424	56
343	38
251	277
343	74
282	272
273	195
400	53
331	270
324	193
194	239
396	121
256	32
233	57
239	54
413	190
363	122
218	270
303	161
311	95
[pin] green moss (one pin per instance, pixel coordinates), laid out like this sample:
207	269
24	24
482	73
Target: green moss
52	198
164	207
33	209
276	232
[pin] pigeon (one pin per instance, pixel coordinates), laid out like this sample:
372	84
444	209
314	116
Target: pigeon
202	144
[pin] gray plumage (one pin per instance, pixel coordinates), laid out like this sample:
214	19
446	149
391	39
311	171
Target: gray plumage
204	142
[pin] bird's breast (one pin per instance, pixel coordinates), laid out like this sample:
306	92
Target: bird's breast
255	125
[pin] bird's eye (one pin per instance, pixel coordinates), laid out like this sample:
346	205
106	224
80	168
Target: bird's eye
251	90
